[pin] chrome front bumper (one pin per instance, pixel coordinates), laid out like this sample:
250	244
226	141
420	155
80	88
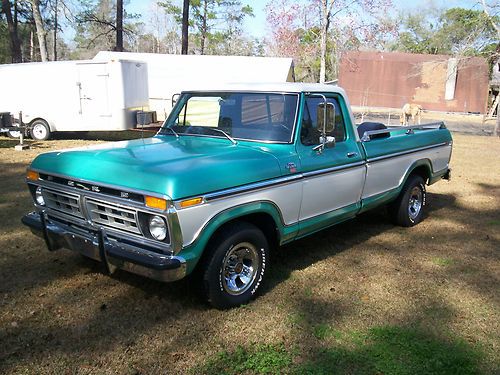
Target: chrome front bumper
112	252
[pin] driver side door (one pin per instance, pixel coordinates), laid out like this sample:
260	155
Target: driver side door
334	177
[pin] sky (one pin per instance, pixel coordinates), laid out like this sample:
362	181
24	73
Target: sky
257	27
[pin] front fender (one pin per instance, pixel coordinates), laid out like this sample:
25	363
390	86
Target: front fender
194	251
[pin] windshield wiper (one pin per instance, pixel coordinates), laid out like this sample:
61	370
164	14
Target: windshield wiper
233	141
172	130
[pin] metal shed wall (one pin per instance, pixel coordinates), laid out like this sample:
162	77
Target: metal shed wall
391	79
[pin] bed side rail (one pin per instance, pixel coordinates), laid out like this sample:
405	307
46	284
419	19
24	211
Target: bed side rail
409	129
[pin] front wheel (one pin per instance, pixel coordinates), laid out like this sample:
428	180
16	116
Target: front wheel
408	209
40	130
235	265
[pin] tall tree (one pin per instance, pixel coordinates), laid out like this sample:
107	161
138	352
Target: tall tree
40	29
15	44
209	18
98	28
356	11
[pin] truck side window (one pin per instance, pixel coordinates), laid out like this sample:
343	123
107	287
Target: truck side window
309	133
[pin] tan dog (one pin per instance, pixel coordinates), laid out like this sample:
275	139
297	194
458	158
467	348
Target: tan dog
410	110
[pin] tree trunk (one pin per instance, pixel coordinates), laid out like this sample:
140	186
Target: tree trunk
32	47
119	26
324	30
15	44
497	124
55	31
203	30
40	30
185	25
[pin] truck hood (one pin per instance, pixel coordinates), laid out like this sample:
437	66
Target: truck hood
179	168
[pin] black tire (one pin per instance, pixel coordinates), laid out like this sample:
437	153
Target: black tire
234	266
39	130
408	209
14	134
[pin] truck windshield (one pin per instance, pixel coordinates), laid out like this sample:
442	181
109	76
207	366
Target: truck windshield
268	117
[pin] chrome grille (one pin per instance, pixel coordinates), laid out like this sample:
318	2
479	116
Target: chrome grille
63	202
112	215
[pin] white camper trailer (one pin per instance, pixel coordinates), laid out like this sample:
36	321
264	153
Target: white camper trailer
170	74
75	95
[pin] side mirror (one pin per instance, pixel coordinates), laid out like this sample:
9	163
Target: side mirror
175	97
325	114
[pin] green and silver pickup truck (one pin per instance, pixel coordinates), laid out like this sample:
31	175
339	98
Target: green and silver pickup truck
233	172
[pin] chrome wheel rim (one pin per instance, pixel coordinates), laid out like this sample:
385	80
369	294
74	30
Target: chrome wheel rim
415	202
39	131
239	268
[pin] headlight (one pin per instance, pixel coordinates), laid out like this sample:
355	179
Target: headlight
157	228
39	197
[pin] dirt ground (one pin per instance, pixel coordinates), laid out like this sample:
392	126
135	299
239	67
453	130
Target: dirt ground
361	297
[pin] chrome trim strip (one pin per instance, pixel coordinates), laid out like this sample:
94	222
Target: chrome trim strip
251	187
396	154
110	186
334	169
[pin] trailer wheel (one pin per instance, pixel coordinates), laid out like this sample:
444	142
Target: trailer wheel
15	134
40	130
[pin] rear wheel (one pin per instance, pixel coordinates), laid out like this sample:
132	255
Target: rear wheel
408	209
234	267
40	130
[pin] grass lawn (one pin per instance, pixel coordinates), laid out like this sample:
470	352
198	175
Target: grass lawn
364	297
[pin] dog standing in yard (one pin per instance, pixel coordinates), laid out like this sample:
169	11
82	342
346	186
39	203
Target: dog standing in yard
410	110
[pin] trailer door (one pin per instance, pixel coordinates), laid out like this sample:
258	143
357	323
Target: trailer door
93	88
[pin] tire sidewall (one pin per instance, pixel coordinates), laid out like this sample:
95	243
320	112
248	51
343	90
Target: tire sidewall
213	280
415	181
42	123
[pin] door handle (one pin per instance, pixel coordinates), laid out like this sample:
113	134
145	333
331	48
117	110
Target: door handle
352	154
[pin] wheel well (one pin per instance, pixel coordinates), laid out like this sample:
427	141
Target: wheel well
40	119
263	221
422	171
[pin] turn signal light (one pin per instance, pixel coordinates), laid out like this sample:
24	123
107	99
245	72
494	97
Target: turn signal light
154	202
32	175
191	202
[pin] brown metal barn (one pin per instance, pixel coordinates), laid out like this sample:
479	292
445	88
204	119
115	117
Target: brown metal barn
437	82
